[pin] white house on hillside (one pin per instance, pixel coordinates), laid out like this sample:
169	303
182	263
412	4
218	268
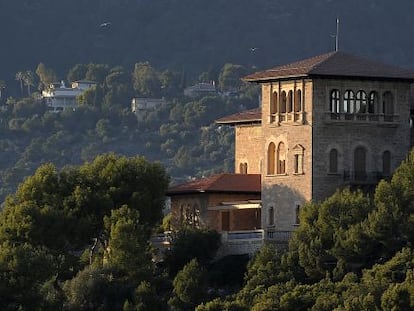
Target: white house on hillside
141	106
58	97
200	89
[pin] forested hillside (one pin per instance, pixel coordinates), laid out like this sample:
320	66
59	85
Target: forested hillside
180	133
77	239
197	35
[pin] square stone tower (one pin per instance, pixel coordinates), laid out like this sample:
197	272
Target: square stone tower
327	122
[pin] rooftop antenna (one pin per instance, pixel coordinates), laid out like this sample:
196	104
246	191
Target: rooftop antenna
337	35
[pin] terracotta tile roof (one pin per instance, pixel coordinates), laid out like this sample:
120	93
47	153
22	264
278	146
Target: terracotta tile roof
247	116
232	183
334	64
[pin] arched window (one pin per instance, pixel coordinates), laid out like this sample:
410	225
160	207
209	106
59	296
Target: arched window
298	152
361	102
271	216
349	102
274	103
281	158
360	156
283	102
297	213
333	161
243	168
271	152
290	101
189	215
196	216
335	100
373	102
387	104
298	101
386	163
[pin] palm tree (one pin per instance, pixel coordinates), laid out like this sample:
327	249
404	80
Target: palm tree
20	78
28	79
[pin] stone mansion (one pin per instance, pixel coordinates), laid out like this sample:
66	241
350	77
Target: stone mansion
326	122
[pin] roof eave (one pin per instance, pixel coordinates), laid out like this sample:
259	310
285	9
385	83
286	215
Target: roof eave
233	122
315	75
274	78
186	192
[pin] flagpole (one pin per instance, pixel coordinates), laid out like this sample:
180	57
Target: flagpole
337	35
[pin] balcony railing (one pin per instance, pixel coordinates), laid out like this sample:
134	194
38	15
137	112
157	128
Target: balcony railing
240	242
278	236
361	117
228	236
232	242
287	117
161	242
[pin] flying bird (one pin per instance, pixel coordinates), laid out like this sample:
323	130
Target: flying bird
105	24
253	49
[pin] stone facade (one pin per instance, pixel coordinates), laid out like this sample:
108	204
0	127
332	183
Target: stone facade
368	131
283	191
313	131
327	122
249	148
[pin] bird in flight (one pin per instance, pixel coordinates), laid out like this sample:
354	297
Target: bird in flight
253	49
105	24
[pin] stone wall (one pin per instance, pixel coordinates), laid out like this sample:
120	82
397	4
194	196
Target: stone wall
317	131
346	135
249	148
285	192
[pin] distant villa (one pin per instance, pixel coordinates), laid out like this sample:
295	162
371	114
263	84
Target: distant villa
58	97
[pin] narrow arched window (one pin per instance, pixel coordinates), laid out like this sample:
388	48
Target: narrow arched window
349	102
333	161
283	102
360	156
243	168
271	216
298	101
271	151
274	103
335	100
361	102
281	158
189	215
298	164
386	163
373	102
297	213
196	216
290	101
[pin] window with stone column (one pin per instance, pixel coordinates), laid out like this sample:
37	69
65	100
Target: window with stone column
281	159
298	153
